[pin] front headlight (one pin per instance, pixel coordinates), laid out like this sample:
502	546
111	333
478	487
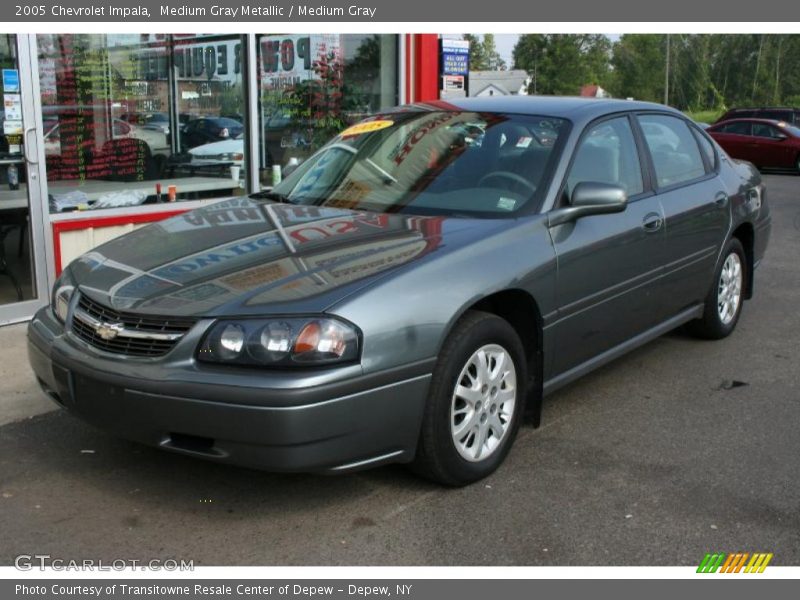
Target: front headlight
231	156
62	294
280	342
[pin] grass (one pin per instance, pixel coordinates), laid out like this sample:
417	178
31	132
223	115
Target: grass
704	116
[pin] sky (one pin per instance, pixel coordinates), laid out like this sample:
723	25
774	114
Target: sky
505	43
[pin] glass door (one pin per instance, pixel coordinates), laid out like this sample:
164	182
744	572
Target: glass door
23	274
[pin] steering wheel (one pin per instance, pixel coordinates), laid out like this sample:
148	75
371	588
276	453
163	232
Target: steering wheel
507	175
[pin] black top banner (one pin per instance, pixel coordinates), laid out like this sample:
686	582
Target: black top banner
280	11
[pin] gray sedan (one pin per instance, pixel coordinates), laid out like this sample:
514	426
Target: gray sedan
412	290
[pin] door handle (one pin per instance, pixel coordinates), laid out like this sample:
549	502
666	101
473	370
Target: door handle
25	139
721	200
652	222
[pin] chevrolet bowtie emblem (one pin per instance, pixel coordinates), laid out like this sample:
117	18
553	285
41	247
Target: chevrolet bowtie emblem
108	331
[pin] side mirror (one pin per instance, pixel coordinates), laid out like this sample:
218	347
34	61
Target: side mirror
780	136
590	198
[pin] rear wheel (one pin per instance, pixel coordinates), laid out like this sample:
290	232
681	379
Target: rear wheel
724	302
475	402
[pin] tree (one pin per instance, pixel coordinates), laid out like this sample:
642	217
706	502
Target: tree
477	58
562	63
494	61
639	62
483	54
708	72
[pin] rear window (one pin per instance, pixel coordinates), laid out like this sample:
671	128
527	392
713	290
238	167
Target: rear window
676	155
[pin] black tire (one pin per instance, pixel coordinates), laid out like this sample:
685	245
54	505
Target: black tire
437	457
712	326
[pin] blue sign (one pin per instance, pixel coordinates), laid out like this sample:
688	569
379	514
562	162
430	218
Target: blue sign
455	57
10	81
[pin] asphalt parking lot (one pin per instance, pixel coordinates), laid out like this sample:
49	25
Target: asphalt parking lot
681	448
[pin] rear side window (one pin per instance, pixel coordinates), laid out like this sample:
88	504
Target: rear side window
707	148
608	154
676	156
738	128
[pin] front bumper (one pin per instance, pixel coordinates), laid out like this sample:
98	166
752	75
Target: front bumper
301	421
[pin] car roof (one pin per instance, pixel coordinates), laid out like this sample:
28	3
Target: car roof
742	108
574	108
777	122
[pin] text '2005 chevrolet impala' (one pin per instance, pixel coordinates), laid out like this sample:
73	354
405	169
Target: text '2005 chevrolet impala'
410	291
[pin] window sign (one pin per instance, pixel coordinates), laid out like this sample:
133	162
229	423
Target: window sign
10	81
455	57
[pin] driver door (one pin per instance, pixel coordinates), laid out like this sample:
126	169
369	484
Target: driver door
608	265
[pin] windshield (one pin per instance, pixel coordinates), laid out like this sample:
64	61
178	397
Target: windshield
795	131
451	163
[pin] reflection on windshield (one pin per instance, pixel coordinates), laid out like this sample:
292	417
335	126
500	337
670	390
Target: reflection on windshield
442	162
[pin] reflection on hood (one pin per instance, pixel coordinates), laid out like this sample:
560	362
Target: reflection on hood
231	258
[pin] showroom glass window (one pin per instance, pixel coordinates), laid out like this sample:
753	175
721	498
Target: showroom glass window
676	156
135	119
312	86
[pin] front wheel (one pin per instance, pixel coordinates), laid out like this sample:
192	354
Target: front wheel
724	302
475	401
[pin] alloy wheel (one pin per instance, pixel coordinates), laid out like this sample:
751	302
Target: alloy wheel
729	289
483	402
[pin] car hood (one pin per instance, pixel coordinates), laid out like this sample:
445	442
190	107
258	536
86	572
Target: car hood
243	256
218	148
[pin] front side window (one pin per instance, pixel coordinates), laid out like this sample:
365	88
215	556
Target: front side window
676	156
765	131
608	154
448	162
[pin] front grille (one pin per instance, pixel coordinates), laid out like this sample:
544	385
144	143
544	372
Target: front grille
137	335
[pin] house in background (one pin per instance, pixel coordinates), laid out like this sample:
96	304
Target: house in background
498	83
593	91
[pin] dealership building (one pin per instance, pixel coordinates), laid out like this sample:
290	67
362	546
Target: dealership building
105	133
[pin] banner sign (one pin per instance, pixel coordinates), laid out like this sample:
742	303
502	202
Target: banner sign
455	57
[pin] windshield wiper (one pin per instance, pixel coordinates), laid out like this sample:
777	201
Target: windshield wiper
270	195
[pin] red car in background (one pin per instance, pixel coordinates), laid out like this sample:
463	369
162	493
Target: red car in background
765	143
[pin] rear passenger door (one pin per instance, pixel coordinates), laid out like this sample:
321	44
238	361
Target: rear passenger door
738	139
696	208
608	265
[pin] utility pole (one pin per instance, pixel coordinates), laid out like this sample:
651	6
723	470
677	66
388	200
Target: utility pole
666	75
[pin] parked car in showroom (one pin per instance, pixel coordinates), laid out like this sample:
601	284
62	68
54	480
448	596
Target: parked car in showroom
158	121
127	145
120	129
227	152
763	142
204	130
405	295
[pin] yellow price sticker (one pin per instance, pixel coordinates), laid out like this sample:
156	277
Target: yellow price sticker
367	127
